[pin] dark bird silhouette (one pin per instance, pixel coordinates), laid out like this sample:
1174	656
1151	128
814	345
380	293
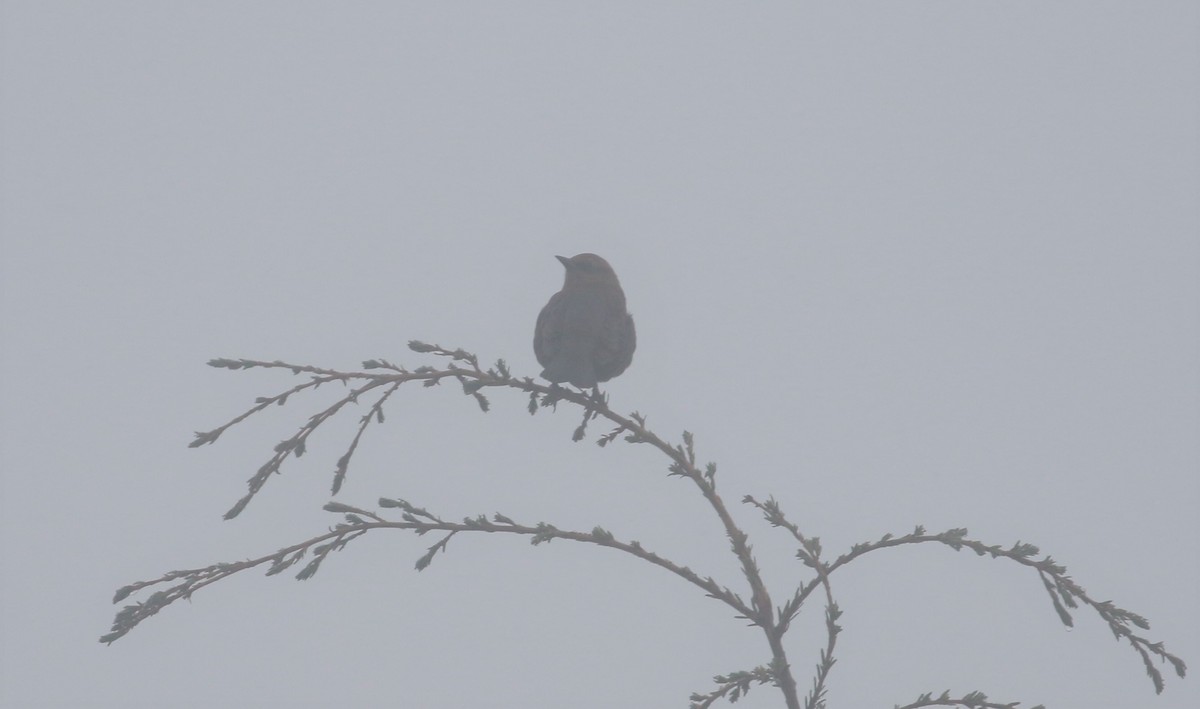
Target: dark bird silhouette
584	335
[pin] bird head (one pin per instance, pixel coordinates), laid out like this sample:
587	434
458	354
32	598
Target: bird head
586	269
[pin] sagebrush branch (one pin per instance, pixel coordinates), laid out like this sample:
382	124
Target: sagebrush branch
473	379
359	521
382	379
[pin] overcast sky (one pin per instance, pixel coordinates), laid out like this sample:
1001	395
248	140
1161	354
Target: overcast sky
893	263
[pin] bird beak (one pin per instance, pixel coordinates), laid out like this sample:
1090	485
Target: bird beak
566	262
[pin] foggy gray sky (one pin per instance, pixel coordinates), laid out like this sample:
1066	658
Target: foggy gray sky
893	263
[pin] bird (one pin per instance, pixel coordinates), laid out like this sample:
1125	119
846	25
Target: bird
584	334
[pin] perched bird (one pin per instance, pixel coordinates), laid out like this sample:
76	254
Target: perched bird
584	335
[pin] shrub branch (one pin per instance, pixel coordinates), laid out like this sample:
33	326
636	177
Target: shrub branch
381	379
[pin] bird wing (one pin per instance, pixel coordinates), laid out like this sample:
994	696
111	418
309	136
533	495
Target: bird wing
545	338
614	352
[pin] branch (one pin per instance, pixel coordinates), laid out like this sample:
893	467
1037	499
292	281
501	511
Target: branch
464	368
1064	592
810	554
734	685
358	522
974	700
473	379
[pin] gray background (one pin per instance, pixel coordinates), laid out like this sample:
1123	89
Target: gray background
894	263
